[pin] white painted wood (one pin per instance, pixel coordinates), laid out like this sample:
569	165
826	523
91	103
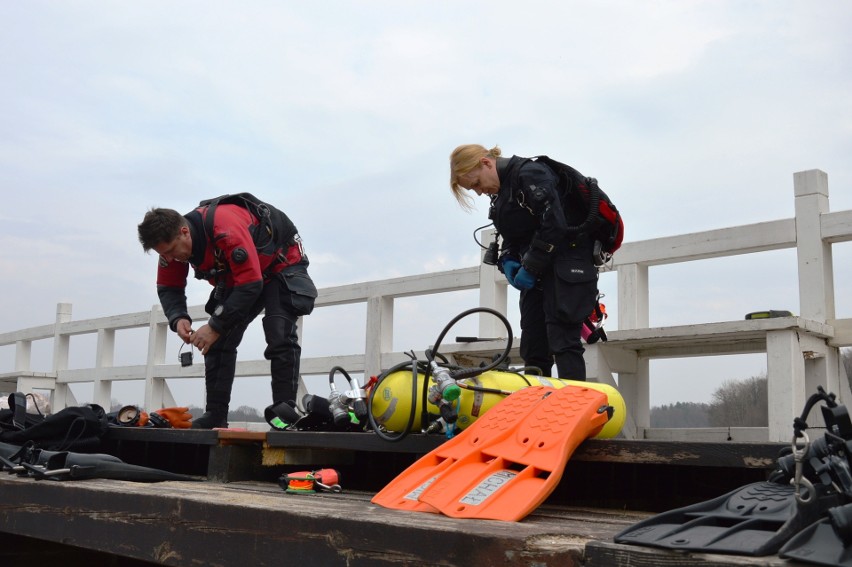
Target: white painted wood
842	332
633	296
718	243
379	336
710	434
23	354
835	226
816	271
598	370
61	395
155	392
493	294
104	358
28	384
785	373
31	334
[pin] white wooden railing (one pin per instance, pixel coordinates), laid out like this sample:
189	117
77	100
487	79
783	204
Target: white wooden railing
802	351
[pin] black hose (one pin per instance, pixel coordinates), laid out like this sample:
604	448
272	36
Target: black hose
416	366
331	374
464	372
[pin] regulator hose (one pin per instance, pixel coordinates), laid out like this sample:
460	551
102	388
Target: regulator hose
462	372
417	366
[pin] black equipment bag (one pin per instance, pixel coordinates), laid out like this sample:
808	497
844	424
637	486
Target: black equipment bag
77	428
603	222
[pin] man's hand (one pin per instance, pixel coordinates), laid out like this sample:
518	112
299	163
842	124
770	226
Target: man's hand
203	338
183	328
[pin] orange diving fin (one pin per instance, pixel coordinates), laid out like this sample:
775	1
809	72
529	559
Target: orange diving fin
403	491
506	477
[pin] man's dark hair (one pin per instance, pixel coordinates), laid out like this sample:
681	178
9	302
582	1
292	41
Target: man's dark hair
160	225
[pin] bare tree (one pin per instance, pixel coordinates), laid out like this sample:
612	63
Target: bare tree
742	403
245	413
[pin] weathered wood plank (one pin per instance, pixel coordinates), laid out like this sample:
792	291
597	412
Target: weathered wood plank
203	524
258	524
607	554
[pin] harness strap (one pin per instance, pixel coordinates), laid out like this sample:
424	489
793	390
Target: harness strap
291	255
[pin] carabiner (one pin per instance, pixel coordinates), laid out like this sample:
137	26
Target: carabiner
798	481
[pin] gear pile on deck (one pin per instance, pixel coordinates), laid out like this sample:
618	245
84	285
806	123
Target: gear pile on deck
510	432
802	512
63	445
429	396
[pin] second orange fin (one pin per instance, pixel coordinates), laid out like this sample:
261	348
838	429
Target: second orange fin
508	476
402	492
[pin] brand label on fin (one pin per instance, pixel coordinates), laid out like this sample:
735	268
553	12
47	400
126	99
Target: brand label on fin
490	484
415	494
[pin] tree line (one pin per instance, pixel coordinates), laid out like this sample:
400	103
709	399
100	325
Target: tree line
736	403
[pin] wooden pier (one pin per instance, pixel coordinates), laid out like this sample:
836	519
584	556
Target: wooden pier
236	513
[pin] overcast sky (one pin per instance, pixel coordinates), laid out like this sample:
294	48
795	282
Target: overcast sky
693	115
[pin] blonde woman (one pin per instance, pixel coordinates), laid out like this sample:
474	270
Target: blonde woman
541	253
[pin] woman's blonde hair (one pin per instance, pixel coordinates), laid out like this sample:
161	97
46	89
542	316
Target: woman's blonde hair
463	160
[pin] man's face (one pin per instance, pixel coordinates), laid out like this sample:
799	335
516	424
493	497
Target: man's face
482	179
179	249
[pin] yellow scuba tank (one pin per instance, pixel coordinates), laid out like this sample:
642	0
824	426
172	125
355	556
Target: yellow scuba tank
392	403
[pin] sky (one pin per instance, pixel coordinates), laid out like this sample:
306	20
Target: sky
693	115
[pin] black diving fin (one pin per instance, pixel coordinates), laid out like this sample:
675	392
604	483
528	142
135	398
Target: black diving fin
802	512
826	542
65	465
756	519
79	466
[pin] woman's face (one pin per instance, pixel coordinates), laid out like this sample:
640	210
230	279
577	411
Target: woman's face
483	179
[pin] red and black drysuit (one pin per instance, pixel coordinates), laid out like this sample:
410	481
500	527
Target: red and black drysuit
246	281
535	219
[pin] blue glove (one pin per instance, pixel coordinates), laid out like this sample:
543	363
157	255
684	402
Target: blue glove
524	279
510	268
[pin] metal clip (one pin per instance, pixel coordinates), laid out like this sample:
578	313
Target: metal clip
330	487
798	481
298	240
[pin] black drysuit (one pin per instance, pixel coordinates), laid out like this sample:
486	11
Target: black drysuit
529	213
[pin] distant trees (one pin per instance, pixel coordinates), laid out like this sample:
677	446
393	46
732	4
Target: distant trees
681	414
742	403
245	413
736	403
242	413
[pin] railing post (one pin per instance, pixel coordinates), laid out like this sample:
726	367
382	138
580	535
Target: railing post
633	313
61	395
157	395
816	282
104	358
493	294
379	339
816	268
